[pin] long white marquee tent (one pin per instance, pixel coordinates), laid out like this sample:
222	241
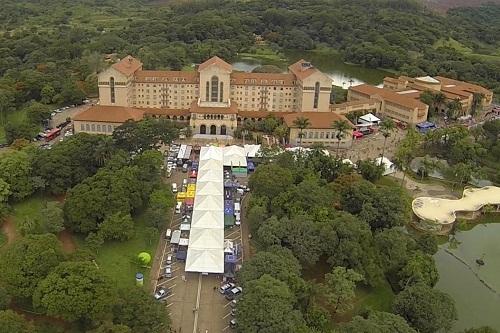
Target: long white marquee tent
206	241
235	156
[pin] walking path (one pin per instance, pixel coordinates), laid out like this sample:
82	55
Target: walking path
9	229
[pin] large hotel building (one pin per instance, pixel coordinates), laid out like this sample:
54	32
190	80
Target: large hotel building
214	99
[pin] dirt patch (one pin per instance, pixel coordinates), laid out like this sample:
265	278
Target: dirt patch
9	229
68	243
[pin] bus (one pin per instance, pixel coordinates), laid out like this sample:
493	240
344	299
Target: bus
52	134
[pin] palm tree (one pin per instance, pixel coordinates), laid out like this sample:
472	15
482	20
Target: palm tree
387	126
103	150
281	132
301	123
439	99
452	108
341	126
477	102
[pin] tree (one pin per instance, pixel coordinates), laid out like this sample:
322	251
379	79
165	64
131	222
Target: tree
47	94
477	103
301	123
428	244
145	134
75	290
138	310
341	126
370	170
277	262
109	327
28	261
377	322
37	113
117	226
461	172
453	108
387	126
407	151
281	133
12	322
339	288
483	329
395	248
5	298
270	180
20	130
425	309
16	170
4	190
263	297
419	268
269	124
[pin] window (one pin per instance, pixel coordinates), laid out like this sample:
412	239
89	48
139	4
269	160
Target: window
316	95
315	135
82	127
310	135
207	91
112	88
215	88
92	127
87	127
98	128
221	93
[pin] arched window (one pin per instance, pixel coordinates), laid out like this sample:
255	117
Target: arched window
213	129
203	129
316	95
223	130
207	92
221	93
112	89
181	118
215	88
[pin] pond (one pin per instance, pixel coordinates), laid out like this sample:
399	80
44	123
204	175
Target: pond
476	303
329	62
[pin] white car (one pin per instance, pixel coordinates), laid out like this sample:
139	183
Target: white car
161	293
226	287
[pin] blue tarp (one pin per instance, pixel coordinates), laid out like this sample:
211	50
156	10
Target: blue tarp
231	258
181	255
228	207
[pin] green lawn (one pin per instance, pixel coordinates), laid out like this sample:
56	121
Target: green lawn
262	52
116	258
3	239
378	298
16	116
29	208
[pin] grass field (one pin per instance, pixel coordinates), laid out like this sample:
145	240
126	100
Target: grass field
116	259
378	298
30	208
13	117
264	53
454	44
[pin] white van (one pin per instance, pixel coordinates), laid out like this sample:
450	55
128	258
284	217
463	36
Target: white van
178	207
238	218
174	188
237	208
169	260
184	182
168	234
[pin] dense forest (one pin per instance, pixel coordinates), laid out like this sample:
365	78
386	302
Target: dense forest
50	51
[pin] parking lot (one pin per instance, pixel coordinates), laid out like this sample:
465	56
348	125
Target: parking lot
193	301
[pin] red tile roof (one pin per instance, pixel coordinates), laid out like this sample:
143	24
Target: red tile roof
388	95
260	114
215	60
128	65
302	69
109	114
317	119
166	112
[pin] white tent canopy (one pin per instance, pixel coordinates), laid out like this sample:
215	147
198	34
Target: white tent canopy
235	156
206	242
251	150
205	260
389	167
210	175
369	118
206	238
208	188
207	219
211	153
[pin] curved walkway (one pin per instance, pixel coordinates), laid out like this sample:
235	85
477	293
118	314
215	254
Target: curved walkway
443	211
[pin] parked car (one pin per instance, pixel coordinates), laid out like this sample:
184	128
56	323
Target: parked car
233	312
233	323
161	293
225	287
233	303
168	271
169	260
233	293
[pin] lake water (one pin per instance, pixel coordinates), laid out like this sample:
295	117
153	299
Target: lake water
476	304
343	75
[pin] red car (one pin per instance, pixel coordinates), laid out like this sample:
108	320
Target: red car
193	174
357	134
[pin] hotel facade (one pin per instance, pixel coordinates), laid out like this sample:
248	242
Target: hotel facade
213	100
